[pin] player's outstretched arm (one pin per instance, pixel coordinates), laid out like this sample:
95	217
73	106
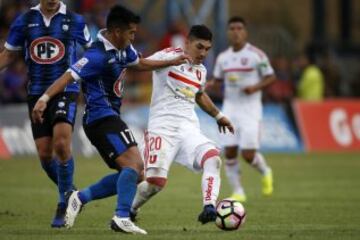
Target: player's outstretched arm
7	57
149	65
57	87
206	104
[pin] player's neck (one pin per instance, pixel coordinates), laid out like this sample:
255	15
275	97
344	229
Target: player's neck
238	47
110	38
48	13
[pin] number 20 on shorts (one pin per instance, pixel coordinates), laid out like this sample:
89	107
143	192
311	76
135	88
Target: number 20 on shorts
154	145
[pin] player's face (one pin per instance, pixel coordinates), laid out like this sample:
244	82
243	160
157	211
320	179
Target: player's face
198	49
237	33
125	37
50	5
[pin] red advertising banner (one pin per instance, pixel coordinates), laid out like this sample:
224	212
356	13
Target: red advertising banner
331	125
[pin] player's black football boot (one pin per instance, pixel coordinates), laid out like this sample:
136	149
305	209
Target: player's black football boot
208	214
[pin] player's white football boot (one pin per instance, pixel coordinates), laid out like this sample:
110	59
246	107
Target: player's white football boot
240	197
125	225
73	208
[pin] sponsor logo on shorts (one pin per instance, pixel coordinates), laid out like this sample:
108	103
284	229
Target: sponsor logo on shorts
61	104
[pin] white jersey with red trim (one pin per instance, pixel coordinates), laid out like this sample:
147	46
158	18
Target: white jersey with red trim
240	69
174	90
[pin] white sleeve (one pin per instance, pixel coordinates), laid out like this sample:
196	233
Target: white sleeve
163	55
218	70
264	67
156	56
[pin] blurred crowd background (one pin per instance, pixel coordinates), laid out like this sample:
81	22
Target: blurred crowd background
309	42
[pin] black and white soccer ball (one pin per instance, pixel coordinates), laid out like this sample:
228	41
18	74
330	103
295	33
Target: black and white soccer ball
230	215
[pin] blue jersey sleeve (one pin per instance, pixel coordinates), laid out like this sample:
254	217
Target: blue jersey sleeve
132	56
81	32
89	67
16	39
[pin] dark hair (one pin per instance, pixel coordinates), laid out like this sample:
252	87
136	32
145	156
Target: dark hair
121	17
237	19
200	32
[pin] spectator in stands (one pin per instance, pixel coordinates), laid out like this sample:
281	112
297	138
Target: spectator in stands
311	84
13	83
331	76
175	36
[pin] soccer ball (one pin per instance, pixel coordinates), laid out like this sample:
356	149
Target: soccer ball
230	214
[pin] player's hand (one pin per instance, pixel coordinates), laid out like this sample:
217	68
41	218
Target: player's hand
38	111
209	84
223	124
250	90
184	58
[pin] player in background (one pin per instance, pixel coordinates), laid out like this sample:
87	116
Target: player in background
47	35
245	71
102	72
173	129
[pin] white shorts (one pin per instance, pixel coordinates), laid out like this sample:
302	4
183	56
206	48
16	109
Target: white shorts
186	146
246	136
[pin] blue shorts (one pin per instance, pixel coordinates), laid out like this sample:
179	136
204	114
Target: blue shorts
111	137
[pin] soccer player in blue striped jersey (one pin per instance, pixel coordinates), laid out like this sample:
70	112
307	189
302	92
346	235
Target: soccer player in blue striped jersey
47	35
102	74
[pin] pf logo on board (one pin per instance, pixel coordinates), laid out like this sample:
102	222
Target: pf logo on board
47	50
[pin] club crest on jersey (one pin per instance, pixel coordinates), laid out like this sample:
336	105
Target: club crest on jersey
244	61
118	87
47	50
65	27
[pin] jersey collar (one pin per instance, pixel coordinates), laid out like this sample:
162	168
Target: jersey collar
244	47
108	45
62	8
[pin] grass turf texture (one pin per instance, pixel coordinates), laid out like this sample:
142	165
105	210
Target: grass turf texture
317	196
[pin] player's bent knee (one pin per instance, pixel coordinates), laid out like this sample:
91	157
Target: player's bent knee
160	182
231	152
248	155
213	156
62	148
140	167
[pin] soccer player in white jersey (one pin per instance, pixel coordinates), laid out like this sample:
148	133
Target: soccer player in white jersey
245	71
173	129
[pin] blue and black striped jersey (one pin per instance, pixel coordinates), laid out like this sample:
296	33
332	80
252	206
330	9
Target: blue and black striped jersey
48	45
102	71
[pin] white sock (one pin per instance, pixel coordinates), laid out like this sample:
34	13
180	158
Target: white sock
210	182
260	164
232	170
144	192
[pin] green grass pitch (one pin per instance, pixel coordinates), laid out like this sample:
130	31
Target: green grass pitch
317	196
